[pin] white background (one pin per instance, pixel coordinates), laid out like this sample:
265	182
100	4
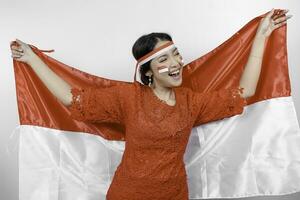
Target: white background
97	36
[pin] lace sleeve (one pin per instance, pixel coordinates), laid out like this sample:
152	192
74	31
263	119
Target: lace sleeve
216	105
92	104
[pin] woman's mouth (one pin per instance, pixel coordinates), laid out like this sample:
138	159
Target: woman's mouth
175	75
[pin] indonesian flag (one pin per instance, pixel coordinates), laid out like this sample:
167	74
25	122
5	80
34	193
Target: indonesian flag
252	154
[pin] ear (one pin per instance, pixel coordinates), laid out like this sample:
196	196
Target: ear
149	73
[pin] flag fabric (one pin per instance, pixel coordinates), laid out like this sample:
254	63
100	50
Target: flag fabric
253	154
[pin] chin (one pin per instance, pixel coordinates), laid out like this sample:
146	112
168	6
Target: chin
172	83
177	83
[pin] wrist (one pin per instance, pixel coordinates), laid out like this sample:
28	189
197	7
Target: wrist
33	58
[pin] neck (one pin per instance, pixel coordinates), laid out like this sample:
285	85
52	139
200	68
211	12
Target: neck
164	93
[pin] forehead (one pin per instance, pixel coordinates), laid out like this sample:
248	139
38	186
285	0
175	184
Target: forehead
161	43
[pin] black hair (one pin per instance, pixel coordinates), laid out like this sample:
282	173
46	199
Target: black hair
144	45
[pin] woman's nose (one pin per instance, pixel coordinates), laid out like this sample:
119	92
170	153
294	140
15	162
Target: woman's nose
174	62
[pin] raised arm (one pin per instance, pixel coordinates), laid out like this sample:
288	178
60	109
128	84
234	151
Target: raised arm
60	88
252	69
88	104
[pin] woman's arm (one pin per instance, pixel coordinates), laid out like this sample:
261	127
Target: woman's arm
252	69
87	104
59	88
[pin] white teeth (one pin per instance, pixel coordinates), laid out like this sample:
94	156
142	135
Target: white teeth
176	72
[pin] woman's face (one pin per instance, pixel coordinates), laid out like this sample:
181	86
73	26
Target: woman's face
170	59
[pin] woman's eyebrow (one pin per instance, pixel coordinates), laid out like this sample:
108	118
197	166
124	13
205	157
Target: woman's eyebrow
166	54
162	55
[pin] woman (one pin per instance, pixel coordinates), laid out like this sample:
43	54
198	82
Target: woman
158	117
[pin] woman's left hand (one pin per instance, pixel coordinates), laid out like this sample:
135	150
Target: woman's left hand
273	20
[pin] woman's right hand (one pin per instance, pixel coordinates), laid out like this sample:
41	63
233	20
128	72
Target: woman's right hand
22	52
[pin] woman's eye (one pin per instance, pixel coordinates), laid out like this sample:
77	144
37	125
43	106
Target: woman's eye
162	60
177	53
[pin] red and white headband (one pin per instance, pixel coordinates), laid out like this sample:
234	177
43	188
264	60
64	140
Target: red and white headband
149	56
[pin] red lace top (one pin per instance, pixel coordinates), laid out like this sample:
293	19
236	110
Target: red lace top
156	133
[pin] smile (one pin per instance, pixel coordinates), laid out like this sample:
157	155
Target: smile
174	74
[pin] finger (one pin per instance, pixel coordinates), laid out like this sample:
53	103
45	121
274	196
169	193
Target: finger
13	56
281	19
17	52
13	43
17	48
16	56
280	14
279	25
277	13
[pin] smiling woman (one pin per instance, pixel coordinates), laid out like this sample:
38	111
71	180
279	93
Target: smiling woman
143	49
227	158
160	64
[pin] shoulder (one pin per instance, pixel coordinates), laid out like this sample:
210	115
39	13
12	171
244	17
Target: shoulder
120	87
129	92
